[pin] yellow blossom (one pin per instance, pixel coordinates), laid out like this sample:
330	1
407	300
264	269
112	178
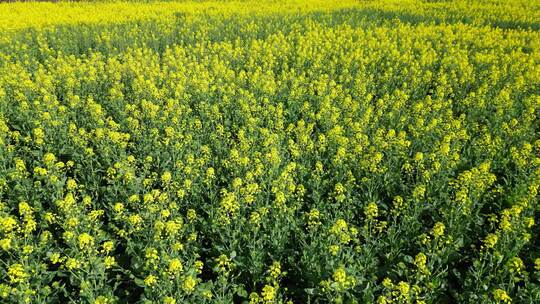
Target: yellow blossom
72	264
371	210
189	284
501	296
438	230
85	240
490	240
16	273
175	267
169	300
55	258
268	293
109	262
150	280
166	177
5	244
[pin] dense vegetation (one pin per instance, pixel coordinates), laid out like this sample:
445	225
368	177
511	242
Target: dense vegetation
270	152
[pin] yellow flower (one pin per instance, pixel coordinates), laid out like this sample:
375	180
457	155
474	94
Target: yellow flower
275	270
339	275
371	210
69	201
40	171
516	265
313	218
39	134
55	258
49	217
255	218
107	247
178	246
207	294
341	230
16	273
334	249
223	263
438	230
210	173
72	222
71	184
419	156
501	296
134	198
383	300
102	300
169	300
191	215
118	207
403	288
490	240
4	291
109	262
254	298
198	266
25	209
339	192
49	159
8	224
172	227
5	244
135	219
166	177
529	222
420	261
20	165
419	192
151	255
189	284
29	226
397	204
87	200
85	240
165	213
68	235
72	263
148	198
387	283
175	266
268	293
150	280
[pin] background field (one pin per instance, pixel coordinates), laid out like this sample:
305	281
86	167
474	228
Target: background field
270	152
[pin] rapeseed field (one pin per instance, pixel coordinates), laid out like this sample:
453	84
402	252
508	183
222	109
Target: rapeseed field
304	151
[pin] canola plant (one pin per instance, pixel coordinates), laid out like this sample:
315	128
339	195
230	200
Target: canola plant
261	152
